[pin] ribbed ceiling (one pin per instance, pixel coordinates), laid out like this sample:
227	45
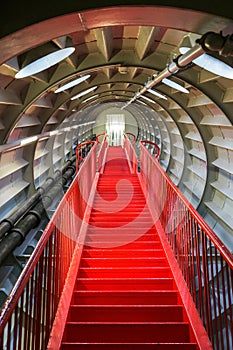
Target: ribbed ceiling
122	48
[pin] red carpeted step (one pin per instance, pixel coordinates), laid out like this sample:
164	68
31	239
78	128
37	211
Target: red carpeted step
124	272
126	313
101	283
125	297
121	262
127	346
128	332
121	253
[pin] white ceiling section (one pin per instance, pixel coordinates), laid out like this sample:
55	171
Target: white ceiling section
121	48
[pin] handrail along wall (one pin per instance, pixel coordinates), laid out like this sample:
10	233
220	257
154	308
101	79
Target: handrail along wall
131	153
101	152
206	264
27	316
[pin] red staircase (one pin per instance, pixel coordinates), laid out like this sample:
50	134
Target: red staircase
125	296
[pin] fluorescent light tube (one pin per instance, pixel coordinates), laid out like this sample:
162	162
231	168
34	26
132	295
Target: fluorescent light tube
83	93
44	62
72	83
174	85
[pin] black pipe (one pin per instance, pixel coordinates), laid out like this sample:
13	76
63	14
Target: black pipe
7	224
214	42
32	218
68	163
17	235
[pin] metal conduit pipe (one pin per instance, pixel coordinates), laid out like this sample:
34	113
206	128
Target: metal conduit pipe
16	236
33	217
213	42
69	162
209	42
7	224
180	62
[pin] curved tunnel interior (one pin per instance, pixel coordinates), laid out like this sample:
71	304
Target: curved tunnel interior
119	51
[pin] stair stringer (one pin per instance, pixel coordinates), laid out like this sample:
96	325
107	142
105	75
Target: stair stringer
198	333
60	320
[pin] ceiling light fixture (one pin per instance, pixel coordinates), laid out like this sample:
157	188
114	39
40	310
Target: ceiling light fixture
83	93
147	99
72	83
90	98
28	140
143	103
211	64
44	62
174	85
153	92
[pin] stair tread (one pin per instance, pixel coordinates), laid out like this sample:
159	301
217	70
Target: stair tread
128	346
128	331
126	306
126	278
125	345
134	323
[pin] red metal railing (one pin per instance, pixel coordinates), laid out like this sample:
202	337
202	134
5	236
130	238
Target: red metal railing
102	151
206	264
152	147
100	137
131	137
27	316
81	152
130	152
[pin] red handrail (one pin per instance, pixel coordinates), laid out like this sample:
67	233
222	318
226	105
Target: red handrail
27	316
209	232
131	153
79	157
206	264
102	152
101	134
156	147
133	136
